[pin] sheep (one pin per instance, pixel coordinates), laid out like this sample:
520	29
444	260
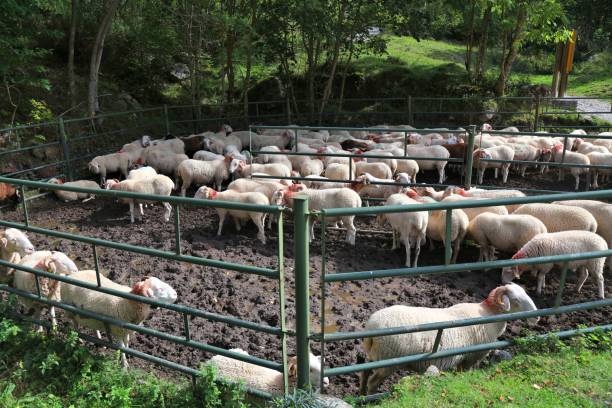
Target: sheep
391	161
266	187
430	151
411	226
200	172
571	158
136	148
321	183
525	152
8	191
193	143
312	167
602	212
560	217
363	185
493	153
503	299
241	169
205	155
408	166
219	144
142	173
66	196
436	228
339	172
110	163
476	211
585	147
262	378
561	243
14	245
430	192
506	233
164	161
481	193
53	262
157	185
257	198
173	145
378	170
600	159
131	311
322	199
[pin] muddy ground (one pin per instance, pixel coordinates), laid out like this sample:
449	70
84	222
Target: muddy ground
255	298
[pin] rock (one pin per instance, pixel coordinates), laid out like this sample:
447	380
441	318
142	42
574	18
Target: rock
332	402
432	371
500	355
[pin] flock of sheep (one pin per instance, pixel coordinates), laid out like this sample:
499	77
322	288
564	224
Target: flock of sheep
529	230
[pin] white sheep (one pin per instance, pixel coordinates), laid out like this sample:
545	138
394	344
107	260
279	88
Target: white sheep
602	212
571	158
504	299
339	172
110	163
241	169
322	199
473	212
164	161
265	186
481	193
136	148
411	226
142	173
560	217
263	378
66	196
493	153
430	151
157	185
203	172
363	185
561	243
205	155
391	161
410	167
378	170
257	198
131	311
14	244
436	227
313	167
586	147
506	233
53	262
174	145
600	159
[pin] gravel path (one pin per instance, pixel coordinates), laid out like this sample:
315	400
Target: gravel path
594	105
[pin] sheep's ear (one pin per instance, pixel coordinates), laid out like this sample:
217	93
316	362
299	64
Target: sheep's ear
504	303
50	264
292	367
3	242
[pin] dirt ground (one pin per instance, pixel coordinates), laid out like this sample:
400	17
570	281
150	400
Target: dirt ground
255	298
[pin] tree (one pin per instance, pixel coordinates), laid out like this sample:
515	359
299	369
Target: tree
72	38
537	21
111	7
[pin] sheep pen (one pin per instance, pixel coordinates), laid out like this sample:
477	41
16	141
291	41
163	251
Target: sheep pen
254	298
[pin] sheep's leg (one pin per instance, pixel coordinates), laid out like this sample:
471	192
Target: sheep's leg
186	184
577	177
481	253
168	211
523	169
237	223
561	174
53	319
132	211
351	231
496	172
124	363
377	378
505	171
258	220
480	175
595	184
431	244
600	285
363	381
407	245
312	225
394	245
583	274
221	220
141	210
541	282
456	250
88	199
98	335
417	250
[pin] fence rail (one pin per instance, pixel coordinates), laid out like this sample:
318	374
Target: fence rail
72	139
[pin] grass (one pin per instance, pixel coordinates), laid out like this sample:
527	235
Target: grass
575	376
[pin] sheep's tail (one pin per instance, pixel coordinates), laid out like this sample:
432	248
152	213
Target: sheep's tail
367	344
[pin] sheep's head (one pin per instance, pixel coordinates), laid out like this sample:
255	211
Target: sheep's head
205	193
558	147
297	187
403	178
145	140
315	370
58	263
14	240
155	289
486	127
94	167
452	140
510	298
55	181
510	273
109	184
545	154
236	165
278	197
411	193
225	128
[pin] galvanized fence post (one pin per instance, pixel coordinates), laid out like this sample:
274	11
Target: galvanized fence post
166	119
468	161
302	301
65	149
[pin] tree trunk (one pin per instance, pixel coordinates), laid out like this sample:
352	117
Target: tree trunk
470	41
249	56
71	41
484	38
344	75
510	51
335	57
96	55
